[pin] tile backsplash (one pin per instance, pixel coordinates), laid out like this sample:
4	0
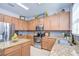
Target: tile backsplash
24	33
76	38
51	34
56	34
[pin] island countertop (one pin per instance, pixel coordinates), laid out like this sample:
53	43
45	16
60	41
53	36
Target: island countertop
64	50
8	44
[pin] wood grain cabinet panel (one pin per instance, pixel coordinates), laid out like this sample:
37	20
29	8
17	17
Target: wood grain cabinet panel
7	19
13	51
15	22
29	25
59	21
20	27
64	21
46	24
18	50
36	22
47	43
54	22
32	24
1	17
26	49
24	25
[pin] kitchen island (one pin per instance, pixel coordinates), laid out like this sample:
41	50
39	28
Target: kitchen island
64	50
18	48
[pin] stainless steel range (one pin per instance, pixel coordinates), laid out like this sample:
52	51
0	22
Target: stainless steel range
39	33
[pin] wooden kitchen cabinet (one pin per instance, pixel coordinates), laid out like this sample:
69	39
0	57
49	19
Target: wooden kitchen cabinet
29	25
46	24
13	51
28	36
26	49
7	19
24	25
47	43
20	27
64	21
54	22
19	24
15	23
18	50
1	17
32	24
59	21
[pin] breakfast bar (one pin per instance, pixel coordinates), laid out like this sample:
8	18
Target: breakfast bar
20	47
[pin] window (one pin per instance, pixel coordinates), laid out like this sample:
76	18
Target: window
75	19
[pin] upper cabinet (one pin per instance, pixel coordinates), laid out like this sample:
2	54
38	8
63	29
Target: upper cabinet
7	19
75	19
32	24
15	22
59	21
18	23
64	20
1	17
46	23
54	22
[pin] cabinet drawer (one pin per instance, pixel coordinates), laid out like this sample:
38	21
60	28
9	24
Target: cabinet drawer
11	49
15	53
25	44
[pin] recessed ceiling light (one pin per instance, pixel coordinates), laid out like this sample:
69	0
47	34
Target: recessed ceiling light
21	5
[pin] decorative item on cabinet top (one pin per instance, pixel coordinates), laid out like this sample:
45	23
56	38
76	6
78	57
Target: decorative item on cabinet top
22	17
44	14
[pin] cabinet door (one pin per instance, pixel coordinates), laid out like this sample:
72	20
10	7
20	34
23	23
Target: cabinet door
64	21
54	22
47	43
25	25
31	25
1	18
35	23
7	19
44	44
20	27
46	23
15	22
26	49
13	51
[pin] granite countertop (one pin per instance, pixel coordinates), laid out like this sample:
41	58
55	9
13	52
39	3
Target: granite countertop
7	44
64	50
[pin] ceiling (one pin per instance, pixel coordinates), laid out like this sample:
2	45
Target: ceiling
35	8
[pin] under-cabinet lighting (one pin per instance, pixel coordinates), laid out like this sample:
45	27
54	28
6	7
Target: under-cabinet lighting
25	7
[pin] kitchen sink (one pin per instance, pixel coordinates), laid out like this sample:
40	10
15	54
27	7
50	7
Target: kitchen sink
63	42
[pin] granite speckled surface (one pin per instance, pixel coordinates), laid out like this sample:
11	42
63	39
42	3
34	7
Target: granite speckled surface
7	44
64	50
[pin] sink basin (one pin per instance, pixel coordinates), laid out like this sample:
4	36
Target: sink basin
63	42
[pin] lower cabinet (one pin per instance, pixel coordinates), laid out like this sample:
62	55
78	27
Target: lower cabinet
19	50
26	49
15	53
47	43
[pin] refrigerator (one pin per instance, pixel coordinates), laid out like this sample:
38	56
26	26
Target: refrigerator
6	30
